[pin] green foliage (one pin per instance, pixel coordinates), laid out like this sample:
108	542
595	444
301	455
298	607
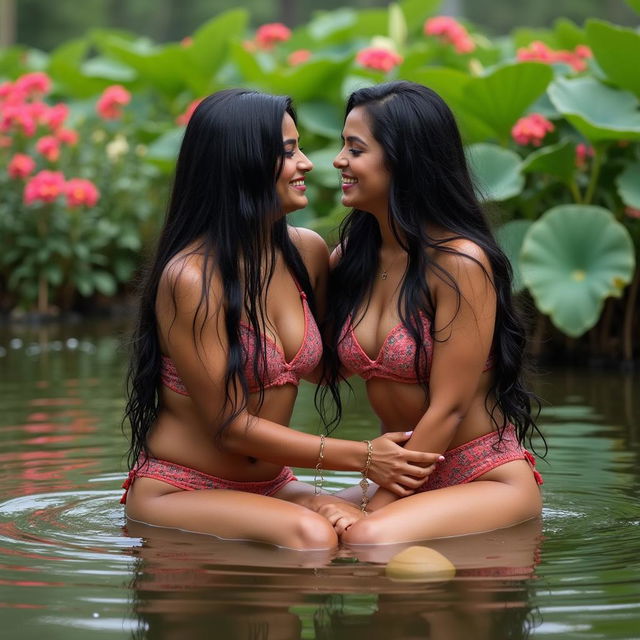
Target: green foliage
572	259
585	158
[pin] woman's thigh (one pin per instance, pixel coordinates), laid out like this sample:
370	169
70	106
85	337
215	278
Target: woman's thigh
474	507
235	515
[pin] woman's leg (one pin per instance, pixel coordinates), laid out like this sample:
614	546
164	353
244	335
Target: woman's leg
235	515
501	498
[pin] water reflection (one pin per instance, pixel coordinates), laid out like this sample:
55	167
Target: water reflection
70	566
192	584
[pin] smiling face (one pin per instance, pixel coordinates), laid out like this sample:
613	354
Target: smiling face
365	178
290	185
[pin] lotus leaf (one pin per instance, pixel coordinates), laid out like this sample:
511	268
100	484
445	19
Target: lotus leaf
597	111
617	51
510	237
496	170
557	160
572	259
628	183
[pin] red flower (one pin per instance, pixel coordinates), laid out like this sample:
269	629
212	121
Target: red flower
300	56
55	116
378	58
186	42
183	118
110	103
531	129
45	186
81	192
18	117
632	213
35	83
451	32
67	136
583	151
21	165
540	52
49	147
269	34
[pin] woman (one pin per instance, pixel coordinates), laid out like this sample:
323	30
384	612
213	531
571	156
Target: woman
225	333
417	265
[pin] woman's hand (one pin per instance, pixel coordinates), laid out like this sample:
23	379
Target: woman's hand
341	514
397	469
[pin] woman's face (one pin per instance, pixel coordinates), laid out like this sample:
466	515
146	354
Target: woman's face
365	178
290	185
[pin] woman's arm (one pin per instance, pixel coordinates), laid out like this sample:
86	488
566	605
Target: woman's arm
195	337
464	328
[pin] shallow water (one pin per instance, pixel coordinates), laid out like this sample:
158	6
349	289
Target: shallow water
71	568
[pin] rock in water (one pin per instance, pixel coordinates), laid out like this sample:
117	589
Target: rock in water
420	563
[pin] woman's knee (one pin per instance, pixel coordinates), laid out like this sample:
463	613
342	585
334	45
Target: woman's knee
365	531
313	531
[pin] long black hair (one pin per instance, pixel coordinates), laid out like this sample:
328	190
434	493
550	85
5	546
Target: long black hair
224	201
430	185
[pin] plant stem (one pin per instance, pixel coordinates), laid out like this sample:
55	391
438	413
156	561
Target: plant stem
575	192
627	327
595	174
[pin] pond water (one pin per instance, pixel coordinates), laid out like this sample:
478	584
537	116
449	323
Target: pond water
70	567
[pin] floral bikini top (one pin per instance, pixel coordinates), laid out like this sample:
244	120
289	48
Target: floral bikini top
395	360
275	369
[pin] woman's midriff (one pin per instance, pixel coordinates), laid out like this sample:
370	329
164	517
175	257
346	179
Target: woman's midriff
180	436
401	406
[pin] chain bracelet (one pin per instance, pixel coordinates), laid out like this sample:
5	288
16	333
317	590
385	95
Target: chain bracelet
318	478
364	483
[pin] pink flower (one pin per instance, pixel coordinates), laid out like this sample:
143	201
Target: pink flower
35	83
531	129
183	118
45	186
186	42
55	116
67	136
81	192
18	117
451	32
5	142
269	34
378	58
583	151
632	213
540	52
300	56
110	103
21	165
49	147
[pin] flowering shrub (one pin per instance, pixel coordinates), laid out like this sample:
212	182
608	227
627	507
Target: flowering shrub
378	58
451	32
268	35
60	232
531	130
540	52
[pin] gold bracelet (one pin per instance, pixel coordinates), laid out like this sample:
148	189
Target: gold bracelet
318	474
364	483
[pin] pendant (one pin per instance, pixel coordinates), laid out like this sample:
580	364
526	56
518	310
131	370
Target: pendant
384	275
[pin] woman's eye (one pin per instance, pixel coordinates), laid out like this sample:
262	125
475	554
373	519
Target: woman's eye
290	154
355	152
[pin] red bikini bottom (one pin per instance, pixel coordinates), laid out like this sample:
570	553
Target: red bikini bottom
193	480
471	459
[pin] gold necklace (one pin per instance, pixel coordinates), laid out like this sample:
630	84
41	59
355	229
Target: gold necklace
385	272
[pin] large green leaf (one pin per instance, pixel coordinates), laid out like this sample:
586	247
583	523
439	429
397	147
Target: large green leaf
617	51
319	78
324	173
634	4
510	237
107	69
65	67
572	259
417	11
557	160
450	85
496	170
163	152
628	183
597	111
321	118
211	40
501	97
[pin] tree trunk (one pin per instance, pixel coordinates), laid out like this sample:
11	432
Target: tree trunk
289	12
7	23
